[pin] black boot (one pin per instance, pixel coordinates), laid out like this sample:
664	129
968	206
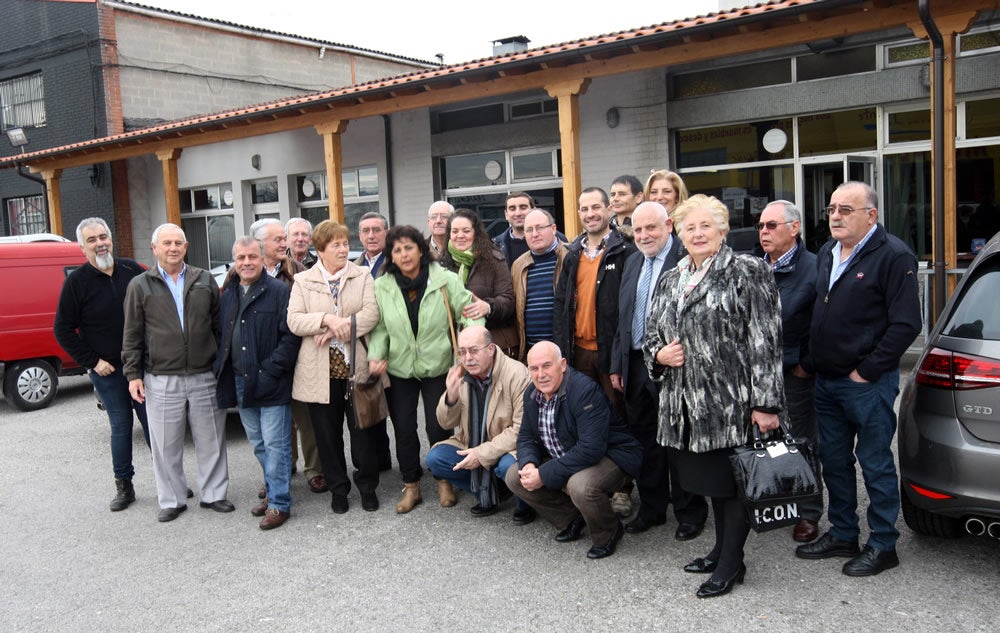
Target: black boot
125	496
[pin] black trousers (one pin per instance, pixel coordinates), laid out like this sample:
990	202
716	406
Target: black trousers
403	399
328	425
658	483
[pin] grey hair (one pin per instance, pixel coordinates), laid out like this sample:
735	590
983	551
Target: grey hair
792	213
168	225
259	228
375	215
248	240
548	215
294	220
86	222
871	196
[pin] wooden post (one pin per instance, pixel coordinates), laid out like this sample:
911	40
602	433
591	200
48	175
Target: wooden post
168	160
331	132
568	93
53	195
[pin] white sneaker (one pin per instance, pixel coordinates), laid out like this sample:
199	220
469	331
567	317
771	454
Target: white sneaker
621	503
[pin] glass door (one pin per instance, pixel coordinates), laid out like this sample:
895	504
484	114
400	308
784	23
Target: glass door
819	179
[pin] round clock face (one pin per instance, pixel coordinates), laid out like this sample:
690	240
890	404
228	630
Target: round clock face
308	187
775	140
493	170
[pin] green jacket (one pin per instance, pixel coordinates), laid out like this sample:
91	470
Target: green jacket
430	353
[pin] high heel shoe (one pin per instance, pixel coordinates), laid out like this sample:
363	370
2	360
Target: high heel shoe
712	588
701	566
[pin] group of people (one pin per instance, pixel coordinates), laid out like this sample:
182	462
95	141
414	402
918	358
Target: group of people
556	371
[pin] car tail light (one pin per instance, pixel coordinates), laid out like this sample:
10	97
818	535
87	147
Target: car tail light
948	370
930	494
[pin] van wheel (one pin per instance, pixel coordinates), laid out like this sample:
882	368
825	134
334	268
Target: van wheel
30	384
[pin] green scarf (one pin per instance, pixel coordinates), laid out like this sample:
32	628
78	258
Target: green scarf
464	259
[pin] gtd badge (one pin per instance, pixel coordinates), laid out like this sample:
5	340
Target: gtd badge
973	408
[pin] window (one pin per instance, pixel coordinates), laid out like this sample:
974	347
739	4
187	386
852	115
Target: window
470	117
909	126
976	315
982	118
361	195
837	132
208	222
737	143
529	109
22	102
26	215
835	63
713	81
919	52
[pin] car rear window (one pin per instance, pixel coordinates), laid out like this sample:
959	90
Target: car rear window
976	315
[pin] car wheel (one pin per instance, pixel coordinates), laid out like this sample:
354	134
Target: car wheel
924	522
30	384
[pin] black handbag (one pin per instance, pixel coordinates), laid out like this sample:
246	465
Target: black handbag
774	477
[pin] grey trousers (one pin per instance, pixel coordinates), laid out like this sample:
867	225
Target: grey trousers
171	403
587	493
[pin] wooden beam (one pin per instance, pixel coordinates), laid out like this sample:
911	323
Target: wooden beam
568	93
53	195
332	155
171	195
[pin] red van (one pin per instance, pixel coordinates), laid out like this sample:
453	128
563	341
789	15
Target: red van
31	278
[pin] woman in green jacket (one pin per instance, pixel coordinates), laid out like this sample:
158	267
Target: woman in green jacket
418	300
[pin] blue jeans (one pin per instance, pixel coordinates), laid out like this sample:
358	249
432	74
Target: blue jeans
269	431
119	405
441	461
857	419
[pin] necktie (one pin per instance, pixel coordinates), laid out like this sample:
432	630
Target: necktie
641	304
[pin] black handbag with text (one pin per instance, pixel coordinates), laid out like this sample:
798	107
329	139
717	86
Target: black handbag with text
774	477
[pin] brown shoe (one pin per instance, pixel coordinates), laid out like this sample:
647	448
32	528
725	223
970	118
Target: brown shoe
261	494
411	498
446	494
260	509
318	484
806	531
273	518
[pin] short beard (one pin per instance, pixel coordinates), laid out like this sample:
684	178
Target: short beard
105	261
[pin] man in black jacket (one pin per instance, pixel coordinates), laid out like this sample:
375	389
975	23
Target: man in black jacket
659	252
572	452
254	367
794	271
867	313
88	324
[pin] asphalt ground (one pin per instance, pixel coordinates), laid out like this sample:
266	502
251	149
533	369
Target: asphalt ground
69	564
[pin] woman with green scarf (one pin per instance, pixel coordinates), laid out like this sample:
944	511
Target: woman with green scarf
483	269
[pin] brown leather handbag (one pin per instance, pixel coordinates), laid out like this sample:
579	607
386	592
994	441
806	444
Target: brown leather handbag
366	392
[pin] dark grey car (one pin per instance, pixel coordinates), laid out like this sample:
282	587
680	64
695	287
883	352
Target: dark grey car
949	423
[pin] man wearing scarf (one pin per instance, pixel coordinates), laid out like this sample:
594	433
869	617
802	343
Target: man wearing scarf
484	398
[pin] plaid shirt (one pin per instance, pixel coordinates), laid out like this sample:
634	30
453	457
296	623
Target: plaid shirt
547	425
783	260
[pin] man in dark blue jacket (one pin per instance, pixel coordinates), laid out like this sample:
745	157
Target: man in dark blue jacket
254	367
867	313
572	452
794	271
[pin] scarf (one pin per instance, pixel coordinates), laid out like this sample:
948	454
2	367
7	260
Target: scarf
483	481
333	280
413	293
464	259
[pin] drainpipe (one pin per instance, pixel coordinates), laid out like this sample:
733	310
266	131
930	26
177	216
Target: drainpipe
937	153
387	135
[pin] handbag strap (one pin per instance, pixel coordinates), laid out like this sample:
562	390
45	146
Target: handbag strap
354	346
451	324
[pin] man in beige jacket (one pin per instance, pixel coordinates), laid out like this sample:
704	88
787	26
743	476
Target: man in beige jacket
484	398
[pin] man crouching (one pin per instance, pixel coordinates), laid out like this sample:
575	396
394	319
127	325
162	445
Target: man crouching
573	452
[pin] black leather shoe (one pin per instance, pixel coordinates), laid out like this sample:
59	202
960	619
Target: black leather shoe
640	524
169	514
222	505
190	493
480	511
339	504
369	501
602	551
826	547
572	531
701	566
688	531
712	588
871	561
524	516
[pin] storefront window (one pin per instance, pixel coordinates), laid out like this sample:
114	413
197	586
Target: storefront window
909	126
474	170
982	118
737	143
837	132
210	240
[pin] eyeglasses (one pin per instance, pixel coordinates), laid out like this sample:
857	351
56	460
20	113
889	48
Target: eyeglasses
438	216
528	230
772	225
844	209
462	351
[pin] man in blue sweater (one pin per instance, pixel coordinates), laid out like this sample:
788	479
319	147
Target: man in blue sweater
866	314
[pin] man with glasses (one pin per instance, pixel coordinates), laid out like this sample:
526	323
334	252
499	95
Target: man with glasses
372	229
512	242
866	314
794	271
438	218
483	399
535	275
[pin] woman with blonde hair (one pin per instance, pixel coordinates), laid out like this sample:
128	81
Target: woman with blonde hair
667	188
